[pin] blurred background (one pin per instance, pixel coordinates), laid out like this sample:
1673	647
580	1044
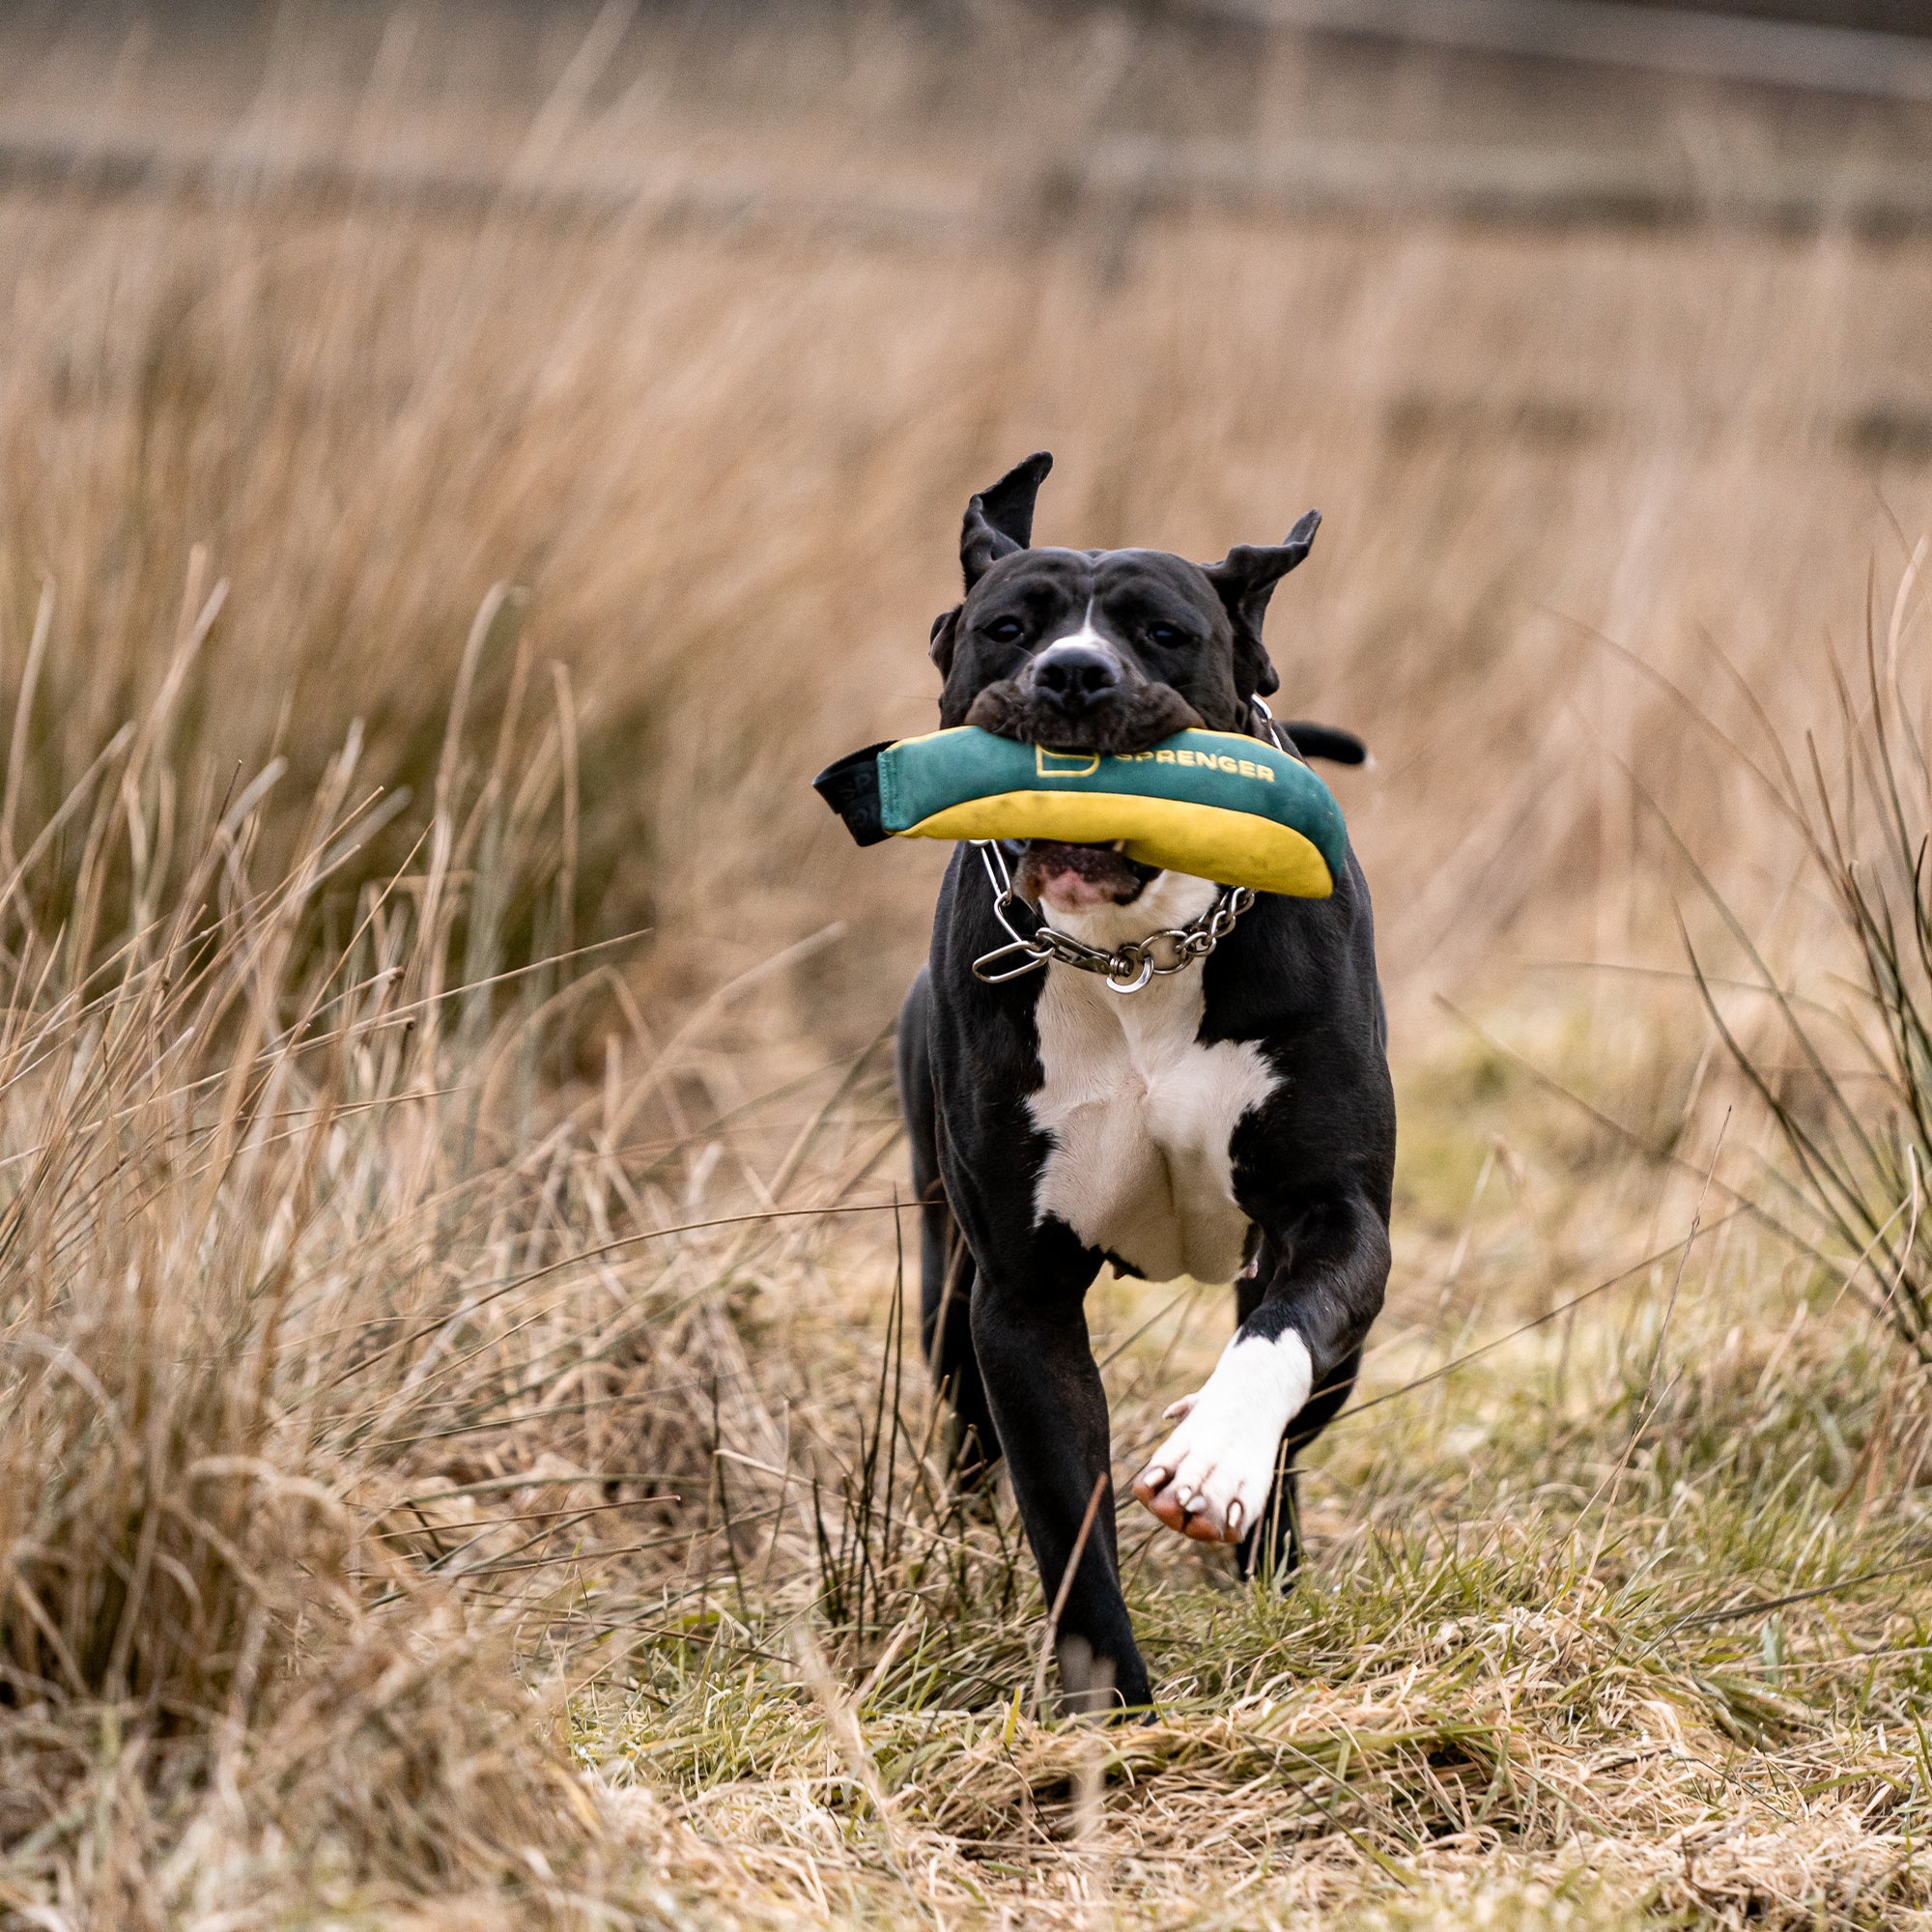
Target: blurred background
1600	334
463	470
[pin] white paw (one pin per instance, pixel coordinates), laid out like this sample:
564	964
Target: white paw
1211	1478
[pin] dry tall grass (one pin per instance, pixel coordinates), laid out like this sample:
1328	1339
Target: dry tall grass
729	462
447	1469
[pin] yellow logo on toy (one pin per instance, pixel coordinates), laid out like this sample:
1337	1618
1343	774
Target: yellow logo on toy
1064	764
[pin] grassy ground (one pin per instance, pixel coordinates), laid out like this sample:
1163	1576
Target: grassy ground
461	1464
1616	1618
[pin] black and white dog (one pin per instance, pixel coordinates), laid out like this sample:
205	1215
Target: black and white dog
1233	1122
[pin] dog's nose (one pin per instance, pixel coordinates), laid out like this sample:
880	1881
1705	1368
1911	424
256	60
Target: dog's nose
1075	675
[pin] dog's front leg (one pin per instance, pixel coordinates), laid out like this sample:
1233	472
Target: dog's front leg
1051	1413
1295	1348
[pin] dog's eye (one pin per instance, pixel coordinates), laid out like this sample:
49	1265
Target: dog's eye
1165	634
1004	630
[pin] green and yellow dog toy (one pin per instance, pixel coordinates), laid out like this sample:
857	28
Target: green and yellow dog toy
1214	805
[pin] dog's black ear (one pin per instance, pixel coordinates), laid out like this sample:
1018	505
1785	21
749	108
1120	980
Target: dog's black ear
1245	580
1000	521
945	627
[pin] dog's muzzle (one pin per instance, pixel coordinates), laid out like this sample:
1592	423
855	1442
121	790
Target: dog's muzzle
1081	695
1071	679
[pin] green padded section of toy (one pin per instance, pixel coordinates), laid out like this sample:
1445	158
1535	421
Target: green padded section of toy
1212	804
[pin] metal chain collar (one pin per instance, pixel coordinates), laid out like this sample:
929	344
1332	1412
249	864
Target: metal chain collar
1129	966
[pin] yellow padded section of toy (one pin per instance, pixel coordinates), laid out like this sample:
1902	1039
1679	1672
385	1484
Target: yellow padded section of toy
1181	835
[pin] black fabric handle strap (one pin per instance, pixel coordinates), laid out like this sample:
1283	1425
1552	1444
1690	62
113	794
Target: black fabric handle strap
851	788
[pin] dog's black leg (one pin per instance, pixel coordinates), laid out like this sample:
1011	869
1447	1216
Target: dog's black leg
945	1262
945	1329
1272	1549
1276	1549
1051	1412
1321	1282
1323	1272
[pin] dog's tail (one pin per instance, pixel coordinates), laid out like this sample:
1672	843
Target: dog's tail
1325	741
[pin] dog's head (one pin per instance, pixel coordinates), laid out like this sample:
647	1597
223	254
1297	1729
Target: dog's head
1100	650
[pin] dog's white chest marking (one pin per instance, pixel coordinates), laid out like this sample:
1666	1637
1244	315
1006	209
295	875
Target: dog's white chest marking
1141	1114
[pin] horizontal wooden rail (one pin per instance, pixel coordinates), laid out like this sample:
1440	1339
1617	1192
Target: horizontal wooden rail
1682	41
1119	183
1507	183
122	164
